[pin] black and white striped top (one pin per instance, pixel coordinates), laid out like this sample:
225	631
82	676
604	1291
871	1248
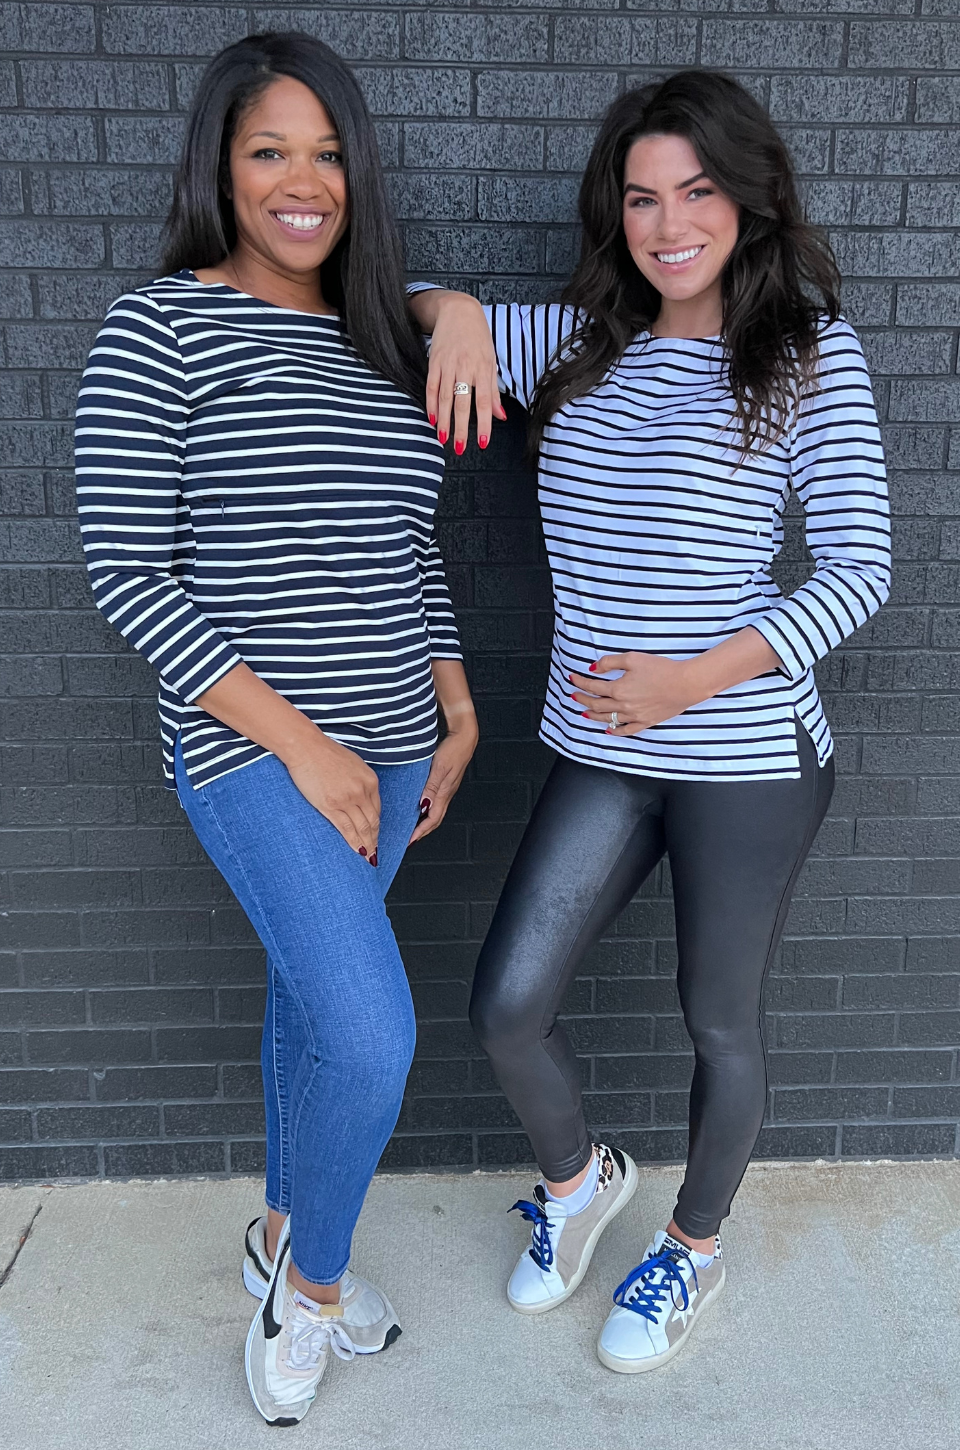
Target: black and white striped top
661	539
251	490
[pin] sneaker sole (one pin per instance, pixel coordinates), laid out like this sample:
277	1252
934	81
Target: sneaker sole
630	1183
255	1284
640	1366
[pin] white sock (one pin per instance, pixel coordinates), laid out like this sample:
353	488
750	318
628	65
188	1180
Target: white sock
699	1261
581	1197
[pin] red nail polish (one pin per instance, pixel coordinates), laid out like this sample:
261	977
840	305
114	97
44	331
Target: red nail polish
425	806
483	440
458	447
363	850
433	420
586	714
373	859
593	669
442	436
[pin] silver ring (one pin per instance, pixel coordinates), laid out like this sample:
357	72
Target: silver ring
461	390
614	721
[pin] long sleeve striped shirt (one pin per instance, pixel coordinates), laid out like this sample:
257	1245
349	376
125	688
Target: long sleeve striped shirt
661	537
251	490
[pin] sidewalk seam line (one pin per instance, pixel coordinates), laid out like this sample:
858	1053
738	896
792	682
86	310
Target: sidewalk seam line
24	1235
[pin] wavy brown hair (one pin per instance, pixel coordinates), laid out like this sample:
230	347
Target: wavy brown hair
778	282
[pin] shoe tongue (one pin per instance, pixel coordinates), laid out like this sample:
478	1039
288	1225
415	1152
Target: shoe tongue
556	1206
302	1302
666	1243
323	1312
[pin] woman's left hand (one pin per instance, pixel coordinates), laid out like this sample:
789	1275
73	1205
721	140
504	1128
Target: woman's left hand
461	352
650	689
451	758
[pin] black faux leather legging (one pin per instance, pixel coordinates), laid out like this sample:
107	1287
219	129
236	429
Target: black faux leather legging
735	850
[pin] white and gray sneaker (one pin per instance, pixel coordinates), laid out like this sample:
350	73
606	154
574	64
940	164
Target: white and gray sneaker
657	1306
289	1344
370	1319
562	1244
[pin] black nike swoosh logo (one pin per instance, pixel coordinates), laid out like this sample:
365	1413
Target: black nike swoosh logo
270	1326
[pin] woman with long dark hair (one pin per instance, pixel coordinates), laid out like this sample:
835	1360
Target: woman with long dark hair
257	482
695	371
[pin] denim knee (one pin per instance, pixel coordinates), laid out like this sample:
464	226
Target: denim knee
376	1068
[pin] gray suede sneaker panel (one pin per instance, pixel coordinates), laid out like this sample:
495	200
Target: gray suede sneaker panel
577	1230
679	1322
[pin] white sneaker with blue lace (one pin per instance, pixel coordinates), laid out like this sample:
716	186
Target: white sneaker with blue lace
657	1305
561	1243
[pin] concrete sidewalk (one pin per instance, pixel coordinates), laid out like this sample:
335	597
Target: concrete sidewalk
122	1321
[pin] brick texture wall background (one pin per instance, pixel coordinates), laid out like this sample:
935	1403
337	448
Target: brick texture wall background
130	983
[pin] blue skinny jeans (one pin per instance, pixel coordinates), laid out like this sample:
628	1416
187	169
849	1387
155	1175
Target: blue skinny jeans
339	1030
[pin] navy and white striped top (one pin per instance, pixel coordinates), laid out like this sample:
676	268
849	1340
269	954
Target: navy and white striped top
251	490
661	539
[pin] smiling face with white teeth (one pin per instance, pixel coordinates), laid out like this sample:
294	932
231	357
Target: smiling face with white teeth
289	195
680	229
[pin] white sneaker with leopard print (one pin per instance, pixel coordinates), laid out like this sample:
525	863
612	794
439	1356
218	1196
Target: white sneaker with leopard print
562	1244
657	1306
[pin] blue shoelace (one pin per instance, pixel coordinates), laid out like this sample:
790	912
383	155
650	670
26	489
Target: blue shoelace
651	1290
541	1249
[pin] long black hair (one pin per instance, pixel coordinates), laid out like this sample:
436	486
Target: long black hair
363	278
777	283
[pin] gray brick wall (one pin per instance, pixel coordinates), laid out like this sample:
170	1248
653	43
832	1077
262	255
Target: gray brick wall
130	983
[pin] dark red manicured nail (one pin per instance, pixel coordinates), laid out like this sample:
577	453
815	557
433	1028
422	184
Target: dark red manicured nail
593	669
483	440
373	859
458	447
425	805
363	850
433	420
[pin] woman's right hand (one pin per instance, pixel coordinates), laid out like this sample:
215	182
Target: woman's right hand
332	778
341	787
461	351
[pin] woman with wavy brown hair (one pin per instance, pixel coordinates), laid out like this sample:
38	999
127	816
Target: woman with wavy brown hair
696	370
